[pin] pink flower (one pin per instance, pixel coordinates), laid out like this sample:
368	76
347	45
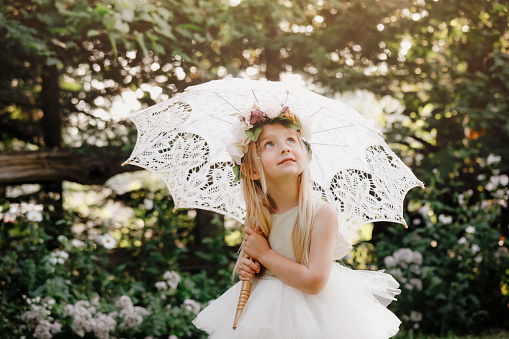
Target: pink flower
257	116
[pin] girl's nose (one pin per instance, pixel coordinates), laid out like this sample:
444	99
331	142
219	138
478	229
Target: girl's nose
285	150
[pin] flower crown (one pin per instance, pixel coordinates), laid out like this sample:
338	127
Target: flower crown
249	124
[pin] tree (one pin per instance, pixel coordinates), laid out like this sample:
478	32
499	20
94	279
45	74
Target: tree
66	61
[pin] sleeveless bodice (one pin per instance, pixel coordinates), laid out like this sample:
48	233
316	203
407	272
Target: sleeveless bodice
280	237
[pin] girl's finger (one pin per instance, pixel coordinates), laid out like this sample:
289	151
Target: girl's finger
246	268
251	265
248	230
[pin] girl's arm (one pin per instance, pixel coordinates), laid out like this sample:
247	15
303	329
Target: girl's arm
311	279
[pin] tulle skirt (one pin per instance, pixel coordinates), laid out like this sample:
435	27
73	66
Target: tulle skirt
353	305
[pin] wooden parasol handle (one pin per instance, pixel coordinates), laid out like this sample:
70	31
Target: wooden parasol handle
245	291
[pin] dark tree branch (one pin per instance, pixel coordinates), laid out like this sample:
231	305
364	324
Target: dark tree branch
58	165
424	142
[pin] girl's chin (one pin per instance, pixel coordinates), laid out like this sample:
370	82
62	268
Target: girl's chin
285	174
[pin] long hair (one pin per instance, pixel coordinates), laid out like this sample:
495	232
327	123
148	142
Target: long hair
259	204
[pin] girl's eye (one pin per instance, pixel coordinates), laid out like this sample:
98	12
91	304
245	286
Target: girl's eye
268	144
290	140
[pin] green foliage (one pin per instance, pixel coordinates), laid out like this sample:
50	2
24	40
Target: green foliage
464	261
97	50
131	283
446	62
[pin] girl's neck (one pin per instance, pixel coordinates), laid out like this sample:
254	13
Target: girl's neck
285	195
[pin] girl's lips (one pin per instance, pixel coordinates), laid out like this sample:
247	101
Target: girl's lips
286	160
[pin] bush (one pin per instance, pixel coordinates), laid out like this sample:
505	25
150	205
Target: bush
462	284
104	281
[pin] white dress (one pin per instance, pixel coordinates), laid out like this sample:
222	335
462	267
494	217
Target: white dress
351	306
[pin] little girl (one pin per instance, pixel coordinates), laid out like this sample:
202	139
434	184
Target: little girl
292	237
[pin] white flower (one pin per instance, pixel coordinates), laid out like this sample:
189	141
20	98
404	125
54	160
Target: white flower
478	259
495	180
415	316
504	180
245	118
107	240
445	219
39	319
191	214
161	285
475	248
34	216
417	283
424	210
415	269
9	217
124	302
490	186
191	306
390	261
417	257
470	229
173	336
172	279
132	317
54	196
271	109
237	144
461	199
148	203
62	238
95	299
77	243
462	240
404	255
58	257
103	325
493	159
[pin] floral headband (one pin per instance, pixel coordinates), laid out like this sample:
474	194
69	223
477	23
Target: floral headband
249	124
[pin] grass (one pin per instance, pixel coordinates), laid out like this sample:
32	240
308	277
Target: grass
411	335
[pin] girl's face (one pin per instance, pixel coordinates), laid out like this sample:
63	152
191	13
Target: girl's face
281	154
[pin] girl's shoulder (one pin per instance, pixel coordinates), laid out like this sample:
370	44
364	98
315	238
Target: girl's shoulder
325	213
319	203
323	206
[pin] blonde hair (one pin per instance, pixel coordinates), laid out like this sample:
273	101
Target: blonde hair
259	204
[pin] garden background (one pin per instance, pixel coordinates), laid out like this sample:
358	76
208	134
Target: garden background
92	249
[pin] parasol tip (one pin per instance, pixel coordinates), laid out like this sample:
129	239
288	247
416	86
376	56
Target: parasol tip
404	224
175	208
422	185
125	163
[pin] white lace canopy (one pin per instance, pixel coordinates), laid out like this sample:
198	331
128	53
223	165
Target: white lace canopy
181	140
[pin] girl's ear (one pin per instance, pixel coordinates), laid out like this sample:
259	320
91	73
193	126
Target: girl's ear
253	175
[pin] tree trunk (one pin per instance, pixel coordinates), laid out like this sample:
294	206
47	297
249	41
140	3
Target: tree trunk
273	65
52	135
52	117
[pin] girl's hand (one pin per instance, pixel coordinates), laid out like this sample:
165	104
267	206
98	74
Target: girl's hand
255	244
248	268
